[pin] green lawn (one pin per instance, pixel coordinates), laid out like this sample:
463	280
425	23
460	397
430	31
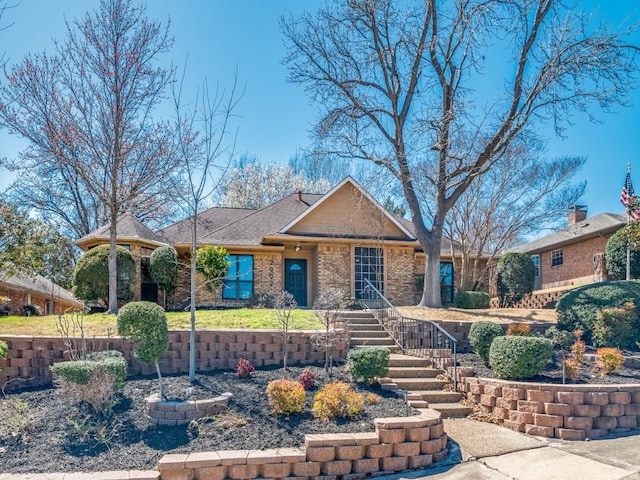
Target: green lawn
99	324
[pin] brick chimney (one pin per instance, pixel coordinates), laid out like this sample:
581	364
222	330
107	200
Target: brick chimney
577	213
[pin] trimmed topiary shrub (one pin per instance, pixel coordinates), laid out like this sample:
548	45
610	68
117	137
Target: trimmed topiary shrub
518	358
94	380
163	266
481	335
368	364
578	308
91	275
145	323
472	300
515	278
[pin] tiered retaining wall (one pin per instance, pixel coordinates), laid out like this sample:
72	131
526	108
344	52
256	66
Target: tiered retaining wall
398	444
569	412
29	358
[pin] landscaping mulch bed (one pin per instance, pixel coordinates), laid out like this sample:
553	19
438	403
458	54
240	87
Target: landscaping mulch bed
553	374
64	438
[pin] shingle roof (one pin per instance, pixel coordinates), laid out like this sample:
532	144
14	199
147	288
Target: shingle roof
588	228
39	284
127	227
208	221
250	229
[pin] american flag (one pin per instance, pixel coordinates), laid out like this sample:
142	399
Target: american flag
628	198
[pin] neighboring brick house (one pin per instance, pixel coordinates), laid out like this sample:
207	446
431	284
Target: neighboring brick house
49	297
575	254
304	243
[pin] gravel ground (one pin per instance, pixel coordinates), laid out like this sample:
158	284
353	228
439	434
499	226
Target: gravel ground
54	435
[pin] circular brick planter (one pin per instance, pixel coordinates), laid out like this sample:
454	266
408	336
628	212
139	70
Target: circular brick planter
168	412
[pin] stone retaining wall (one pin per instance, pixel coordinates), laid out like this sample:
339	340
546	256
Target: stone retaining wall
29	358
569	412
397	445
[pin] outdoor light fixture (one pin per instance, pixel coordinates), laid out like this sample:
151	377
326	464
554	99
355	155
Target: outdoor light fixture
298	247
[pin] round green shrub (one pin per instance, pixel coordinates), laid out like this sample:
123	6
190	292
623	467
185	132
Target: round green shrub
163	266
615	255
481	335
578	308
617	327
4	349
515	278
91	275
472	300
561	339
518	358
145	323
368	364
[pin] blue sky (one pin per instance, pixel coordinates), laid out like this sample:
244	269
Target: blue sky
274	116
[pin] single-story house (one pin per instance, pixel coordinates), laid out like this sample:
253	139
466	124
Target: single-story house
49	297
304	243
573	255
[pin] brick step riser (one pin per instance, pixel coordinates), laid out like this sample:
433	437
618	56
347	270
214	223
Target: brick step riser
358	322
451	411
355	314
419	384
438	396
369	334
412	372
365	326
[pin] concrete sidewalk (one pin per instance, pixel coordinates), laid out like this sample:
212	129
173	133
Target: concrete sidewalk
483	451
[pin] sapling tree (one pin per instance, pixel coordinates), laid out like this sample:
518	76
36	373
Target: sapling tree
213	265
284	305
328	306
145	323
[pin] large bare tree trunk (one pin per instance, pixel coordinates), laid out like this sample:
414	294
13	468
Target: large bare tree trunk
113	266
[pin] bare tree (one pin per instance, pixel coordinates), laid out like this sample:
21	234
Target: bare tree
521	196
327	307
88	107
283	308
396	81
205	146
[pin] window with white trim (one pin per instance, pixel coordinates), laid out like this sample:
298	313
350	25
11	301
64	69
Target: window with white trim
557	258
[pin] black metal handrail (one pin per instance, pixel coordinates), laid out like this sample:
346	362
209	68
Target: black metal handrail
423	338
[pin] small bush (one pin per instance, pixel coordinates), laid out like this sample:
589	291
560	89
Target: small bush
372	398
307	379
4	349
578	308
336	400
608	360
95	380
516	358
17	417
285	396
481	335
244	369
561	339
31	311
519	330
616	326
368	364
471	300
572	368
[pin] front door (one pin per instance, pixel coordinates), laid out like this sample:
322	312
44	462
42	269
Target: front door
295	279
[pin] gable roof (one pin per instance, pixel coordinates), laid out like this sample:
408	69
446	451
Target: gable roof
306	214
39	285
603	223
129	228
250	229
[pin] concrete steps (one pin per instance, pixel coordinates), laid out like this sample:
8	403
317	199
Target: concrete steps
412	374
424	389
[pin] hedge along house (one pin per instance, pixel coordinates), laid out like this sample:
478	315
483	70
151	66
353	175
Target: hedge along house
573	255
304	243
